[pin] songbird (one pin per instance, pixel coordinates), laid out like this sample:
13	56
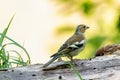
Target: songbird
72	47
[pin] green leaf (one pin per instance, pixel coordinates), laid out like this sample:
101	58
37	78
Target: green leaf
87	6
96	41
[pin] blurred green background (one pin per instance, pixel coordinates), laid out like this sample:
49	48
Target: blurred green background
102	16
42	26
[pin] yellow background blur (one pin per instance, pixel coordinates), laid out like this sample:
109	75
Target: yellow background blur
43	25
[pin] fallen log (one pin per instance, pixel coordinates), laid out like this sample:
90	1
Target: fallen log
100	68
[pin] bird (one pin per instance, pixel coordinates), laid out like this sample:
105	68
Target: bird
72	46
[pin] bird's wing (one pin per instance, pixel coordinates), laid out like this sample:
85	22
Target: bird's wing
64	46
73	43
76	41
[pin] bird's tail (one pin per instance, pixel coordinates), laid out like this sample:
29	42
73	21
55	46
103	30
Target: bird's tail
50	61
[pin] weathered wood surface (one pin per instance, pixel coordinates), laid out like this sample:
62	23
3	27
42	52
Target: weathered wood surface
99	68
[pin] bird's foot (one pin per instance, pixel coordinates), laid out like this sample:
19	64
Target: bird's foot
59	59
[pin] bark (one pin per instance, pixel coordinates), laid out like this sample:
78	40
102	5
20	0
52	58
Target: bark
100	68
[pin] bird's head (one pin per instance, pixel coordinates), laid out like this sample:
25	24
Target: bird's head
81	28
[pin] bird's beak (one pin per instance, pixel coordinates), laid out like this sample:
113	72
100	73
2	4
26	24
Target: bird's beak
87	27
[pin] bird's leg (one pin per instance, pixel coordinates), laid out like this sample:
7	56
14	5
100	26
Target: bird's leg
72	60
60	59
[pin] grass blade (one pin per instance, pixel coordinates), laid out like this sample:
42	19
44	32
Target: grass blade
17	44
5	31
